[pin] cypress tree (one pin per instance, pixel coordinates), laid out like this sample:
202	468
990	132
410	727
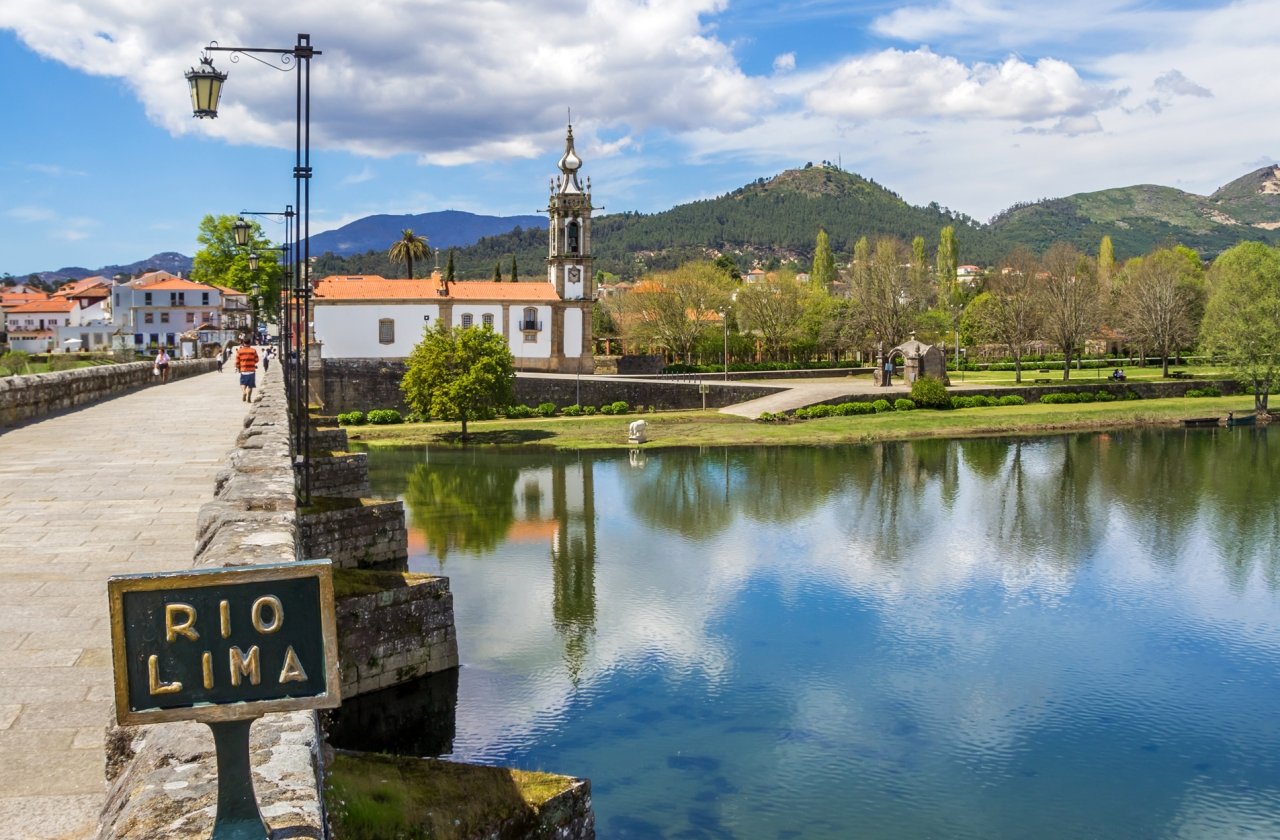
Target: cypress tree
497	272
824	262
448	268
514	275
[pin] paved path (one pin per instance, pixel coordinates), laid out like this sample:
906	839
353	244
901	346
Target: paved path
802	392
110	488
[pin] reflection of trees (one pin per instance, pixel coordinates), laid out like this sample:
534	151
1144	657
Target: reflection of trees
781	483
462	507
681	491
1242	516
985	457
573	565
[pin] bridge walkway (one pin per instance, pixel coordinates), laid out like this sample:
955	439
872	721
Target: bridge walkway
108	489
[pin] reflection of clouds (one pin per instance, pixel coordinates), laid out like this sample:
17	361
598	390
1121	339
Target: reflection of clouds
1003	598
1215	811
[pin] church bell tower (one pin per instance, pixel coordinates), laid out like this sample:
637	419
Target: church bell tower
569	256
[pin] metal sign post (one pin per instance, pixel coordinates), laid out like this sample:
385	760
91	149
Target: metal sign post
224	647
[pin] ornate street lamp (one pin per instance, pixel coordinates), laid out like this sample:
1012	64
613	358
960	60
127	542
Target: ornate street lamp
253	264
241	232
206	87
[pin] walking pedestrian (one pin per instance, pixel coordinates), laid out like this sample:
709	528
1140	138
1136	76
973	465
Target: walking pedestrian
266	360
162	365
247	365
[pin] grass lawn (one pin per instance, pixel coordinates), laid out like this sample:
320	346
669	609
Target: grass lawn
1030	373
710	428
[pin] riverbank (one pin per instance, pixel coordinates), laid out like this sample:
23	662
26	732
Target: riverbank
709	428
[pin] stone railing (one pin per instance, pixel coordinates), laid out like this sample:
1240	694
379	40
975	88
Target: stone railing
24	398
163	779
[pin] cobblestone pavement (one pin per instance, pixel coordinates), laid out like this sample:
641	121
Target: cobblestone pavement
108	489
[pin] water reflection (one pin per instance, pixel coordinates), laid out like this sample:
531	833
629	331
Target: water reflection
984	638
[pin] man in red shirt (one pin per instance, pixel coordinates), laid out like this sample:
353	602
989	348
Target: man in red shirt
247	364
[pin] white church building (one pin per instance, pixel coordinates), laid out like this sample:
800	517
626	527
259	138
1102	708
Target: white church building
547	324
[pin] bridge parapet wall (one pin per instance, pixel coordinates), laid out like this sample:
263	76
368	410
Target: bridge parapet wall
33	396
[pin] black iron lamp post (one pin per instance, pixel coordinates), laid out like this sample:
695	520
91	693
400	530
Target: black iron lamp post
282	307
240	230
206	88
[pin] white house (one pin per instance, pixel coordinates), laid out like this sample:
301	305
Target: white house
547	324
157	308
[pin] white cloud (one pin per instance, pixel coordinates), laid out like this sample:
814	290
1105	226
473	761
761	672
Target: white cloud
363	176
30	214
1174	83
784	62
920	83
450	83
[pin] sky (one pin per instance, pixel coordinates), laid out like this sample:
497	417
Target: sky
425	105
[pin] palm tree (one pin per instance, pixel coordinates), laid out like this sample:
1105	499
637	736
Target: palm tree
409	247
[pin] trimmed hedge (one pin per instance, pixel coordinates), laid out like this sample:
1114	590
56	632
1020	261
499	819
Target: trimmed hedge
384	417
351	418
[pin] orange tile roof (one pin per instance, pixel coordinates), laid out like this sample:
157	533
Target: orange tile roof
76	287
20	298
373	287
53	305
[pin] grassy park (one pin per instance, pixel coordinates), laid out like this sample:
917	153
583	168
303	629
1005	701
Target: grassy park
711	428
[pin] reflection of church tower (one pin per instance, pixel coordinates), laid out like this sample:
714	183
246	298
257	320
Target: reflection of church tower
569	263
573	559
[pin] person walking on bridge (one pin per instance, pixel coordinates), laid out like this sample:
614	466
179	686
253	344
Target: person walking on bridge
247	365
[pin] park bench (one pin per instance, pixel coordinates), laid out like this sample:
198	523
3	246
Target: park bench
1043	381
1179	374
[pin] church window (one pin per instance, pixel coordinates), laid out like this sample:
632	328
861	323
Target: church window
467	320
386	331
572	236
487	319
529	320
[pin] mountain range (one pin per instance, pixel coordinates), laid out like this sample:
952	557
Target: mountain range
774	220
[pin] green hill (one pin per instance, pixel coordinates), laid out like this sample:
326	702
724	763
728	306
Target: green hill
773	220
776	220
1146	216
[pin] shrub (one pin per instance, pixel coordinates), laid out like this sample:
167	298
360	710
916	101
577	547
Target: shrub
929	392
414	417
519	412
574	410
14	362
1207	391
384	417
851	408
1058	399
61	361
903	404
618	407
962	402
588	410
881	406
351	418
1011	399
546	409
1104	396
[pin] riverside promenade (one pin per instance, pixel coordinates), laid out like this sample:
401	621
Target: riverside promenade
112	488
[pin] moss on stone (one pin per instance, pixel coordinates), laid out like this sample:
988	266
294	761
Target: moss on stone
378	797
325	504
348	583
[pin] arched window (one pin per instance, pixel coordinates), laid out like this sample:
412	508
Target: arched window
571	235
467	320
529	322
487	319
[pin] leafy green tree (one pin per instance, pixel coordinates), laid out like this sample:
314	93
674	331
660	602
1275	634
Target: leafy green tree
221	262
948	262
1069	300
669	311
772	309
407	248
1242	319
824	262
1106	263
1160	298
464	374
726	263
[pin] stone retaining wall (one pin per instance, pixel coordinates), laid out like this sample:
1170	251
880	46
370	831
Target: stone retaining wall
163	780
24	398
364	384
1033	393
360	534
344	475
396	635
